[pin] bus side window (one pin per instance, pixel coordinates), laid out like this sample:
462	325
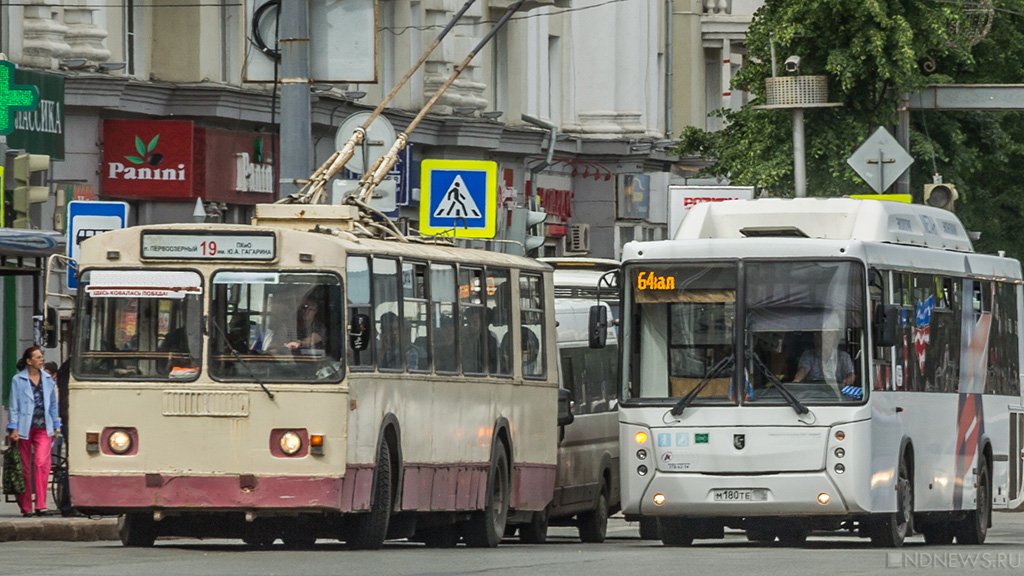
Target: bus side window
442	304
386	312
358	291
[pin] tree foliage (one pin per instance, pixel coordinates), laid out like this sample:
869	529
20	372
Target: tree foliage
872	51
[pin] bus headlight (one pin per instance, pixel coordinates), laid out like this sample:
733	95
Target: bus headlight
659	499
640	437
641	454
119	442
290	443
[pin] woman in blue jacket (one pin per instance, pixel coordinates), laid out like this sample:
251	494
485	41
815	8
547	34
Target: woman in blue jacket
34	423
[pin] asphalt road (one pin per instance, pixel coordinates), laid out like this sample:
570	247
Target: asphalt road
623	554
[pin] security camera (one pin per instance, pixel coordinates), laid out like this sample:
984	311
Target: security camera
793	64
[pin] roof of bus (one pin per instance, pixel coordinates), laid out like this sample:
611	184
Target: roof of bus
94	250
827	218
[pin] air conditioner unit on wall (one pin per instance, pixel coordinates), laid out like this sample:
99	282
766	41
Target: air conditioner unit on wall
578	238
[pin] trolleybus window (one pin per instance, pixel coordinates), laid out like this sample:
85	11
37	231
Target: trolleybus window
386	314
442	303
358	294
138	325
531	304
415	333
276	326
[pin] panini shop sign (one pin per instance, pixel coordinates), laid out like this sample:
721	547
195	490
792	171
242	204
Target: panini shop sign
40	131
147	159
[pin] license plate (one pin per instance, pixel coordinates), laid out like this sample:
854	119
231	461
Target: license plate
741	495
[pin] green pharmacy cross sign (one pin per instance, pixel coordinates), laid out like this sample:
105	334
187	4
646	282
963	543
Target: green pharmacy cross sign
13	98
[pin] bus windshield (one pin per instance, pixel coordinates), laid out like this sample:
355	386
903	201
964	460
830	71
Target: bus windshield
138	325
276	326
801	322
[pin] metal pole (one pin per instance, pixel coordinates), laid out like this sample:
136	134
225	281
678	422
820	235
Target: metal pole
296	115
799	154
903	137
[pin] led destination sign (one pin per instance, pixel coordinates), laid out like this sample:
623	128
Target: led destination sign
171	246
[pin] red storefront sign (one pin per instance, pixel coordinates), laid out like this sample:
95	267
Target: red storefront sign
176	160
147	159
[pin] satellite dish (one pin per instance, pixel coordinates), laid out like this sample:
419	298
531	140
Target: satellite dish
379	138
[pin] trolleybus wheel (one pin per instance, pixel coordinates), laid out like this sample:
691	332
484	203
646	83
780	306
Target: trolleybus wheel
593	525
371	528
974	527
536	532
485	529
137	530
893	529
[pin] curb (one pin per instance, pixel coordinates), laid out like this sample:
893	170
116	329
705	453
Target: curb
59	529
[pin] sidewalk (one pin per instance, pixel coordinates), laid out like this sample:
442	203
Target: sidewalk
15	527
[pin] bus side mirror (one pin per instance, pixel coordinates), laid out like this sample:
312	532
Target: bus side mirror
565	415
886	324
359	332
598	328
50	327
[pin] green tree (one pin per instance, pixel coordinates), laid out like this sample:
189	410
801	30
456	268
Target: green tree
872	51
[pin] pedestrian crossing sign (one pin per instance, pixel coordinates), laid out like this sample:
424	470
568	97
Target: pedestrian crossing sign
458	198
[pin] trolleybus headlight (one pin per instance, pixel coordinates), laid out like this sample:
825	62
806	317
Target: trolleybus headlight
840	468
641	470
840	435
659	499
824	498
119	442
641	454
640	437
291	443
840	452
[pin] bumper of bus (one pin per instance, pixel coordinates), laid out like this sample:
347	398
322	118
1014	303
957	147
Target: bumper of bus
785	494
228	492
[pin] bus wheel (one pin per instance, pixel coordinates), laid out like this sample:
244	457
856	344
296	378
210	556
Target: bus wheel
593	525
137	530
649	528
674	532
536	532
371	528
893	529
485	529
974	527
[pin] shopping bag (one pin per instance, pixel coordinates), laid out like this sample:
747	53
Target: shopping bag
14	474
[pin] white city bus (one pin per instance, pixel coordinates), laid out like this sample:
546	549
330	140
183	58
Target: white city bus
292	380
815	364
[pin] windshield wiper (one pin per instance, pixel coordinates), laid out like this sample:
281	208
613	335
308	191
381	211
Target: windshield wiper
685	401
783	391
238	358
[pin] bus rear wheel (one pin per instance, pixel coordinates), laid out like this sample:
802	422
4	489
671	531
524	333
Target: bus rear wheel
371	528
593	525
973	529
137	530
485	529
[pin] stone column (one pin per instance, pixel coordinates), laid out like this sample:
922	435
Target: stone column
43	42
84	38
467	91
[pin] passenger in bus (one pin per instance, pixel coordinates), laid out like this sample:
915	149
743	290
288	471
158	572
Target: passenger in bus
389	353
532	361
310	328
811	366
473	338
445	359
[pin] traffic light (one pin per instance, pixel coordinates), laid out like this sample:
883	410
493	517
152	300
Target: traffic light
940	195
535	229
25	194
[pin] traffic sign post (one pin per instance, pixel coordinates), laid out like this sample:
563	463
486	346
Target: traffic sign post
87	219
459	198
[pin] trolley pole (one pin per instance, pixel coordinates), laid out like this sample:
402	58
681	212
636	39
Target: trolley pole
296	116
